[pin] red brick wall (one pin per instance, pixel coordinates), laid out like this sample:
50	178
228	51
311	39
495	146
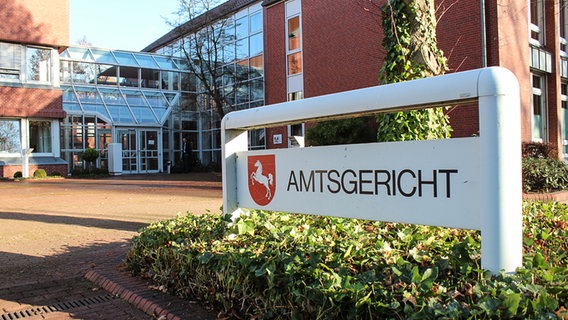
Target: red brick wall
513	51
459	37
275	69
27	102
341	46
8	171
35	21
554	82
275	54
342	49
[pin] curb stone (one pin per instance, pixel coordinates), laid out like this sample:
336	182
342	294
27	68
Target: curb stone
138	293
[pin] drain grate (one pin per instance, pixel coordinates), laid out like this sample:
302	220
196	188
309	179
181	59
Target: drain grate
56	307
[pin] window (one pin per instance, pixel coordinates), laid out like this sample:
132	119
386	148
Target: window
564	119
294	63
296	131
39	64
294	46
84	73
9	136
106	74
294	33
40	136
242	28
10	61
539	117
536	25
256	22
564	27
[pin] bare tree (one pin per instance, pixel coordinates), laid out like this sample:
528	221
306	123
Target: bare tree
208	43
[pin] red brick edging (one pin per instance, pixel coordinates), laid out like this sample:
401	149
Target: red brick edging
559	196
149	307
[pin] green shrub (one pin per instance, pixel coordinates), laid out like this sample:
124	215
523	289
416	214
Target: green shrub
90	155
76	172
539	150
55	174
281	266
343	131
544	175
40	173
18	174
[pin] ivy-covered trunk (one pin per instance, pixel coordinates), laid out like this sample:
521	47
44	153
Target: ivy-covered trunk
411	53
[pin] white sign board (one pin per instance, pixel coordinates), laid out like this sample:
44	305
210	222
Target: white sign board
472	183
380	181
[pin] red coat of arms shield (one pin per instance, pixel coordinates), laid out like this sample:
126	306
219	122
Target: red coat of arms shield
262	178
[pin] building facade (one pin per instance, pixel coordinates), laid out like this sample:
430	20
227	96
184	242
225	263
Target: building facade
57	100
313	48
32	34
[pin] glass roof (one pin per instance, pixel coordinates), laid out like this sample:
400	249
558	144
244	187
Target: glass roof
121	57
120	105
126	59
103	56
166	63
146	61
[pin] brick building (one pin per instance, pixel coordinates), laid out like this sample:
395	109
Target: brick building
313	48
274	51
32	34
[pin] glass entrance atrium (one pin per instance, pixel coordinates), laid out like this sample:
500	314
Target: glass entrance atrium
124	97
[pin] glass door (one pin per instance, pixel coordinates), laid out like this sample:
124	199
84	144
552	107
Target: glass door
129	150
140	150
149	151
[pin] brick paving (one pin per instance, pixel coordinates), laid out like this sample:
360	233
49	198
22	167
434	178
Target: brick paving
86	280
72	298
104	292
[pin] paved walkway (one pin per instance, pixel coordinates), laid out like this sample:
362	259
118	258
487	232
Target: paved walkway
62	242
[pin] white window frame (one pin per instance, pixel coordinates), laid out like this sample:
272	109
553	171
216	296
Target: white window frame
19	153
563	17
54	136
294	82
539	27
541	93
46	73
563	121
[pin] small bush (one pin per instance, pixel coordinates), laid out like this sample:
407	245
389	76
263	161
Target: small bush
40	173
343	131
55	174
18	174
90	155
544	175
75	172
538	150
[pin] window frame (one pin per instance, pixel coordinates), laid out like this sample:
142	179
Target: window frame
563	22
539	92
19	137
537	27
46	73
296	51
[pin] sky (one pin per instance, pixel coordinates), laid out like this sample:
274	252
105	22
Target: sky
120	24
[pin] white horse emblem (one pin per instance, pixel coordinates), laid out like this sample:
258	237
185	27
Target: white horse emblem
266	181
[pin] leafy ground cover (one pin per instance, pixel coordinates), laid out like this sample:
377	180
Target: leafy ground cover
266	265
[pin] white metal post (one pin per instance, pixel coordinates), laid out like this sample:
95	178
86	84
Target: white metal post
501	173
232	141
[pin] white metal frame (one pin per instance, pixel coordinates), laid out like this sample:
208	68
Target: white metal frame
497	92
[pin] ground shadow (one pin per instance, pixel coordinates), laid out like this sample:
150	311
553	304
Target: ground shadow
68	220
